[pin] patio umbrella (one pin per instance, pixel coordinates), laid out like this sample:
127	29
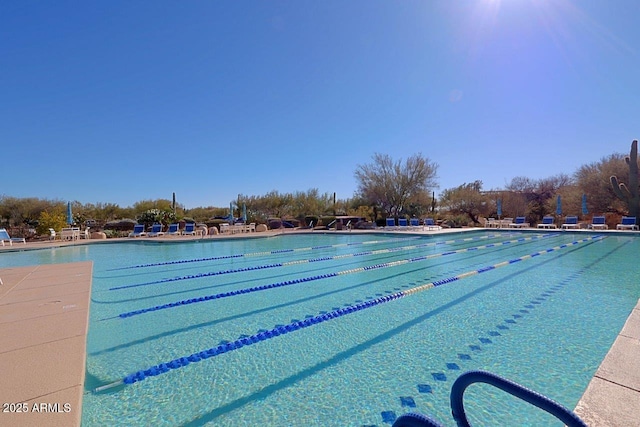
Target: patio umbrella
69	214
231	211
559	206
244	213
584	205
499	208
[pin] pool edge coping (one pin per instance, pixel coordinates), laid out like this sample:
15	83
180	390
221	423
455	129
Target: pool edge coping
612	397
44	318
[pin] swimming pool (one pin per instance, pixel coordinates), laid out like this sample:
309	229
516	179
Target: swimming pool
344	331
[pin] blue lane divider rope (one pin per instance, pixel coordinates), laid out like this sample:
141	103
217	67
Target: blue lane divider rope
264	253
301	324
314	278
276	265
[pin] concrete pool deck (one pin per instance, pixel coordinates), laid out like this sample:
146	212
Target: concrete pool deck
44	314
44	321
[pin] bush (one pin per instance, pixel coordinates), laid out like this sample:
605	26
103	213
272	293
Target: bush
56	220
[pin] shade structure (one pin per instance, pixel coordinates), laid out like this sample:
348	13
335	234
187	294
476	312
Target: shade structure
558	206
584	205
499	207
69	214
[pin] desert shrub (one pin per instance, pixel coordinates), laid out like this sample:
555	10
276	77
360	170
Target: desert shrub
55	219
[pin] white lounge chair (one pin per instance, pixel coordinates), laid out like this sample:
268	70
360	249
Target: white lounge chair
70	233
570	222
628	223
491	223
4	237
598	223
547	222
504	222
138	231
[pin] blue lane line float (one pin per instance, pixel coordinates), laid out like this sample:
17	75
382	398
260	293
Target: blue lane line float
267	266
207	298
301	324
264	253
313	248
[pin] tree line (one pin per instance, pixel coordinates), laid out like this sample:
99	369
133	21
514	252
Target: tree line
386	188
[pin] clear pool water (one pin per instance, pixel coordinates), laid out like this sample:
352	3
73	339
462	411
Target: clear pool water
545	322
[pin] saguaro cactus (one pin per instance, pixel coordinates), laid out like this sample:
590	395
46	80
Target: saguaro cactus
631	194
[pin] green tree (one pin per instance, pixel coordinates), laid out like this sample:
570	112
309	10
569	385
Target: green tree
392	186
533	198
55	219
467	200
593	180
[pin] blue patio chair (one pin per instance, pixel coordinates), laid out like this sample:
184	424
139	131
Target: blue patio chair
598	223
138	231
391	223
4	237
519	222
189	229
570	222
431	224
402	223
414	222
156	230
174	230
547	222
628	223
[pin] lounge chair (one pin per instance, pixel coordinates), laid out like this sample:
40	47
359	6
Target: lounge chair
174	230
4	237
431	224
138	231
490	223
70	233
156	230
85	234
628	223
414	223
402	223
547	222
190	229
391	223
598	223
570	222
505	222
519	222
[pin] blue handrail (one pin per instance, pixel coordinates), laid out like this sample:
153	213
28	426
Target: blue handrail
569	418
554	408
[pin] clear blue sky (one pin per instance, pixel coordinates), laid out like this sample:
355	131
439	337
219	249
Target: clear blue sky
122	101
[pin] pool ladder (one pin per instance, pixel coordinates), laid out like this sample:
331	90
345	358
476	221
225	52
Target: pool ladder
457	405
